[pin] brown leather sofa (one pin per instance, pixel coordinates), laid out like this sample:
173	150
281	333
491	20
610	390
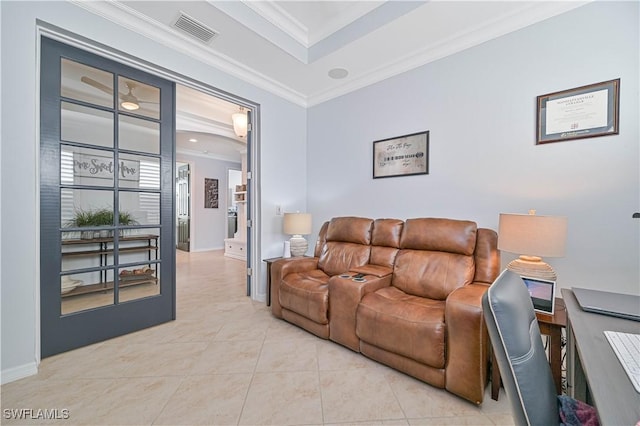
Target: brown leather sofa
418	309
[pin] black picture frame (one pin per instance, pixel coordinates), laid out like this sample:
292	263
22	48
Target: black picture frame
578	113
405	155
210	193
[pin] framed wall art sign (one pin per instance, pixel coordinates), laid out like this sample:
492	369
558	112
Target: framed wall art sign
582	112
401	156
210	193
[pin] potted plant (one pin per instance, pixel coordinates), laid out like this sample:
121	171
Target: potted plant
97	218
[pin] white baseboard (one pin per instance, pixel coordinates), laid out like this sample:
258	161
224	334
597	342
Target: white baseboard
207	249
16	373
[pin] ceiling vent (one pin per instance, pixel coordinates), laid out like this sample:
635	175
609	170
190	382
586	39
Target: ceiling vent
194	28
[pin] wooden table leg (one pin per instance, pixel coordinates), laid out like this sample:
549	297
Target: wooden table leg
555	356
495	377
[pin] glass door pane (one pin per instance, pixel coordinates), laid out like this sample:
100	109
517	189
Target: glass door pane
106	140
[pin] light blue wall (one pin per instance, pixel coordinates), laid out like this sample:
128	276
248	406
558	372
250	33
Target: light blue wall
480	108
208	225
283	130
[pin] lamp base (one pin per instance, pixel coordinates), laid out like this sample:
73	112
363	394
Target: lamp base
532	266
298	246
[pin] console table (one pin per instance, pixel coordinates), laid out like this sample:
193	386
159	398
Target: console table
550	325
102	248
269	262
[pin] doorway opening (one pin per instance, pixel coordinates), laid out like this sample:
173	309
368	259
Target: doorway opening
183	206
211	139
157	77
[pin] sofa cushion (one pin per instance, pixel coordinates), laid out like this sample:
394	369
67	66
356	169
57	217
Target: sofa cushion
337	258
446	235
355	230
307	294
385	241
346	246
431	274
403	324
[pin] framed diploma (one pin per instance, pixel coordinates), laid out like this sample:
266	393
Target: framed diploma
583	112
401	156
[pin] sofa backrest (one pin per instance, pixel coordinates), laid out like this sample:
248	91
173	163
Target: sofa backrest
385	241
487	256
322	238
435	257
347	245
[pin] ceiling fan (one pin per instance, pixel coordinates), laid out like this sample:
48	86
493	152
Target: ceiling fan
128	100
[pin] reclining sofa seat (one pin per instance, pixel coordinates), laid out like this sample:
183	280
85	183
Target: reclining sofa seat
428	323
302	294
345	294
419	310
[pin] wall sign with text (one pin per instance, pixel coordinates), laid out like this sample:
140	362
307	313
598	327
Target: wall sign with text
582	112
96	166
401	156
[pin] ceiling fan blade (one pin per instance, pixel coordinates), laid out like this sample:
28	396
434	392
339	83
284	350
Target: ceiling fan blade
96	84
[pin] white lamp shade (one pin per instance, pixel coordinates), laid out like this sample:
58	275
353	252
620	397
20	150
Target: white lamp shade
530	234
297	223
240	123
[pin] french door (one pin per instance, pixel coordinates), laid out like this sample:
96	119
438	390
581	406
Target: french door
107	197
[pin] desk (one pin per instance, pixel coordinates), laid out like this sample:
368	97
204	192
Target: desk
550	325
594	374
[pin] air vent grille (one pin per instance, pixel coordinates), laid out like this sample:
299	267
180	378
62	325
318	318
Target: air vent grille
194	28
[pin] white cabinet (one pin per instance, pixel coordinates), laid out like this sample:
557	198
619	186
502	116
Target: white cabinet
235	248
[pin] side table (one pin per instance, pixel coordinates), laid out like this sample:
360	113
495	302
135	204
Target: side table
550	325
269	262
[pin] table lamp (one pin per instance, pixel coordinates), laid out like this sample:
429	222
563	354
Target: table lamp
297	225
532	237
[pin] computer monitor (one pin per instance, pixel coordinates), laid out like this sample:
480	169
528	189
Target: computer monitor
542	292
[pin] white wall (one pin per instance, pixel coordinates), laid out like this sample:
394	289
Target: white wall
208	226
283	129
480	108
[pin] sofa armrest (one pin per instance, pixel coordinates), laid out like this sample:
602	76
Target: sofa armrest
344	297
375	270
283	267
467	342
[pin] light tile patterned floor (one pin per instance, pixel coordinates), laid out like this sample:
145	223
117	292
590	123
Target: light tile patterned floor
226	360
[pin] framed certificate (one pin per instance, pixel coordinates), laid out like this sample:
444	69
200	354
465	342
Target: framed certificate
582	112
401	156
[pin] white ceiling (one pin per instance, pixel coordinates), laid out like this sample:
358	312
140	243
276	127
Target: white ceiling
289	47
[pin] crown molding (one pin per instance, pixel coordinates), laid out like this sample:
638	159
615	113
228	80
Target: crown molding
131	19
193	123
348	16
281	19
525	16
209	156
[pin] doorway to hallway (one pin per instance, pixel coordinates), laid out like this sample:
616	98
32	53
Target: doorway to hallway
183	206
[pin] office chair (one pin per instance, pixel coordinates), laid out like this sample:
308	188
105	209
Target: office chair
526	374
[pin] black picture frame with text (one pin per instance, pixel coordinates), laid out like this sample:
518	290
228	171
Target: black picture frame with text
210	193
578	113
401	156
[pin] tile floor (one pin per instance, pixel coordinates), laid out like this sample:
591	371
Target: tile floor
227	361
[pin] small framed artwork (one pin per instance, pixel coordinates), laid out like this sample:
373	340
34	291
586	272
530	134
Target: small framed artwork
401	156
210	193
582	112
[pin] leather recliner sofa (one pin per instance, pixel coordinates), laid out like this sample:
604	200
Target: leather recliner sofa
418	309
